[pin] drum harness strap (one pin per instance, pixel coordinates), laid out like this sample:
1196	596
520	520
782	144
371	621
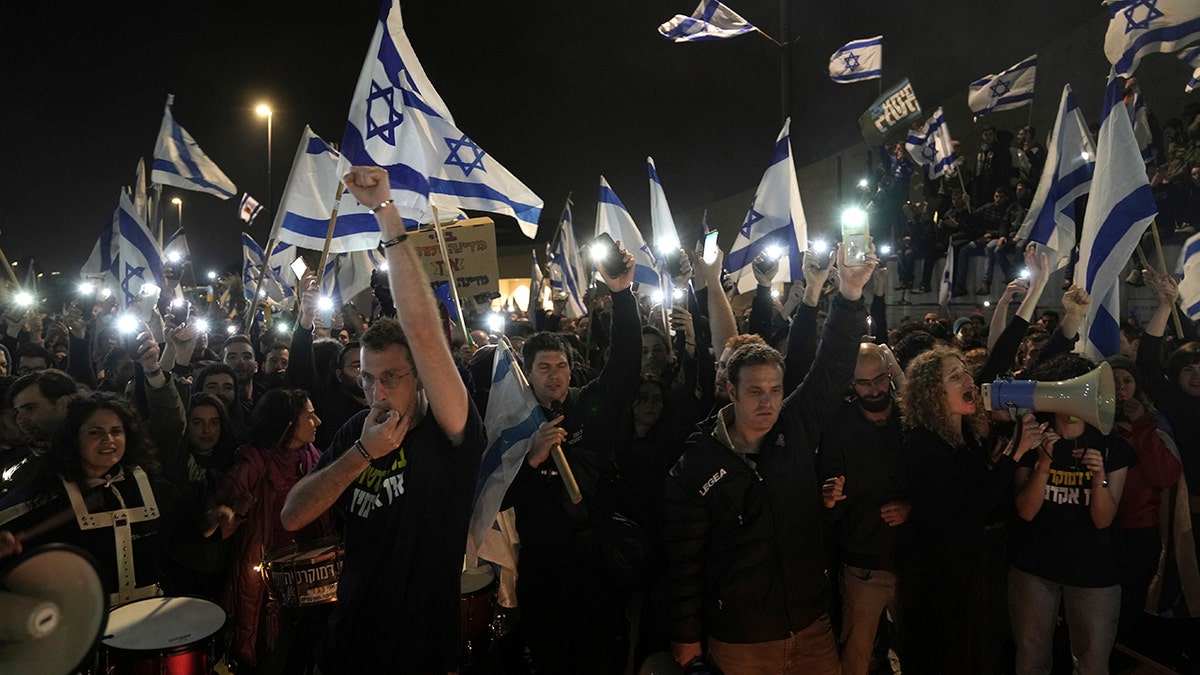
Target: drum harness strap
120	520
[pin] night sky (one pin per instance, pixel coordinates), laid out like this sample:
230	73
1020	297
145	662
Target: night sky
559	92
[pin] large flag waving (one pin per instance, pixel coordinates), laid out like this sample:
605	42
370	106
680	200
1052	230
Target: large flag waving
1010	89
179	161
1189	286
348	274
711	21
1070	163
398	122
613	218
273	288
1140	27
138	260
857	60
567	271
1120	207
309	198
662	223
932	147
776	218
513	415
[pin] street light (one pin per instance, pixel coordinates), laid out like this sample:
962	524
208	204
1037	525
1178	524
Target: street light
264	110
179	203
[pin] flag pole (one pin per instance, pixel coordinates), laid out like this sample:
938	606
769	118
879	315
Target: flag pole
8	268
262	273
558	230
441	238
337	203
963	185
1163	261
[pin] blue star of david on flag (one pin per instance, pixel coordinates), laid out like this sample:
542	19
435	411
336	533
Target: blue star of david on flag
383	99
1152	13
455	159
130	273
851	60
999	89
751	218
930	153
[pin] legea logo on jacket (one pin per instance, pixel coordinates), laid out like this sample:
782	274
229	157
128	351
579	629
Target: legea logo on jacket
712	481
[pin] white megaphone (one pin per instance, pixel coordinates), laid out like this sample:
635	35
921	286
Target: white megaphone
1091	397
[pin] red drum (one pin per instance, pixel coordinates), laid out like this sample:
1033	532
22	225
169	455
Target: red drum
305	574
163	636
475	608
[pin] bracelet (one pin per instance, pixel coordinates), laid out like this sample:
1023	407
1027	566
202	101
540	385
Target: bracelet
363	451
153	373
382	204
393	241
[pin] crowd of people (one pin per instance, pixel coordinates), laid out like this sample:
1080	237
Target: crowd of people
799	489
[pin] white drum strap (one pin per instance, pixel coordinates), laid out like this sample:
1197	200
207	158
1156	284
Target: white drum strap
120	520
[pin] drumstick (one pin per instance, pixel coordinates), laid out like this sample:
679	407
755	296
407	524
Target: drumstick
92	500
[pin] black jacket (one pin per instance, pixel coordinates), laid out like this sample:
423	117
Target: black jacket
746	561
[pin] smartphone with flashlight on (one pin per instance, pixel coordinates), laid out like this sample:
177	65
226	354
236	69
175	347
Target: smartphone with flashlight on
299	268
605	252
856	236
710	247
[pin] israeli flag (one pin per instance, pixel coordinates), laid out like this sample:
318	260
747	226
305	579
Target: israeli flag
711	21
141	201
398	122
348	274
662	224
776	219
309	198
537	284
1189	286
249	209
274	288
138	260
946	288
1140	27
1070	164
612	217
1010	89
1141	126
567	273
932	147
512	417
180	162
176	249
857	60
1120	208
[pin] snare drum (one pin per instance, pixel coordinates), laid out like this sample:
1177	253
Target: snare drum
475	607
305	574
163	636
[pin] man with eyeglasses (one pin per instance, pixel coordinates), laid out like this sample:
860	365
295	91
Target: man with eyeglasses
401	474
866	498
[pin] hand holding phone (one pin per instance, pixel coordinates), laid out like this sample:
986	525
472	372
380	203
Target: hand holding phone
606	254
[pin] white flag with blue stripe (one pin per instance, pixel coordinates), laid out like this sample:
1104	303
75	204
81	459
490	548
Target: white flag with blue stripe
567	273
1189	286
274	288
309	199
512	417
776	219
712	20
946	288
348	274
537	286
932	147
138	259
176	250
612	217
1141	126
180	162
857	60
1070	163
1141	27
662	223
1120	208
398	122
1010	89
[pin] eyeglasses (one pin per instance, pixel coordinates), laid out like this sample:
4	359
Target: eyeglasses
388	379
881	381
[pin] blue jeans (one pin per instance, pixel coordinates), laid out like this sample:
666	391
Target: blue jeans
1091	621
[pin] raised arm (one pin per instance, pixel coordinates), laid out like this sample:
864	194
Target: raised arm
416	307
721	321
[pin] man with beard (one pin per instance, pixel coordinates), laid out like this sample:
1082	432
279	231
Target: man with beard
39	401
865	495
339	398
238	354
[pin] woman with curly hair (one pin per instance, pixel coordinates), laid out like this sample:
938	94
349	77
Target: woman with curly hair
101	465
247	505
959	467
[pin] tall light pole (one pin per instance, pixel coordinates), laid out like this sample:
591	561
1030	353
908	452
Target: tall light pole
264	110
179	203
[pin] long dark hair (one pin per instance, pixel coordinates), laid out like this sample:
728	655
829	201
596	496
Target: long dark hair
275	416
63	457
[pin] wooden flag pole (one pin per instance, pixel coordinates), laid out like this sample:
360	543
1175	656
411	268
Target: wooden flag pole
337	203
262	273
441	239
8	268
1163	261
